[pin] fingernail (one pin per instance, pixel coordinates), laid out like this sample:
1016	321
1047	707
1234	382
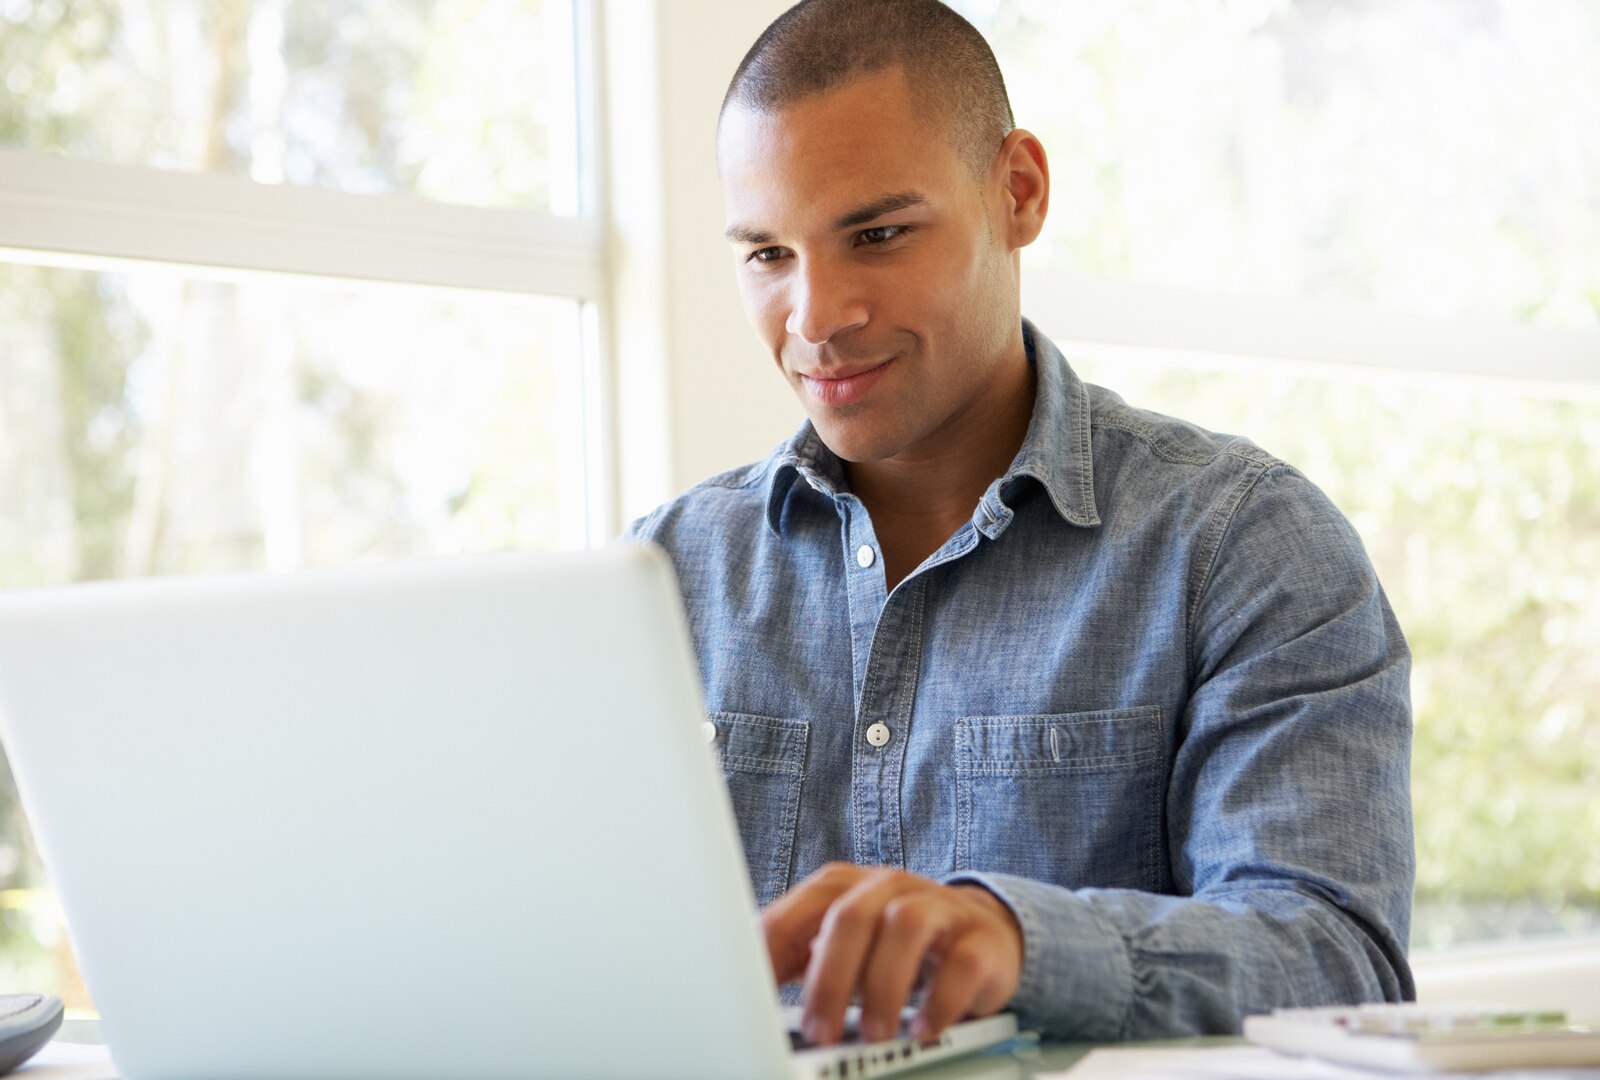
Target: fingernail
812	1028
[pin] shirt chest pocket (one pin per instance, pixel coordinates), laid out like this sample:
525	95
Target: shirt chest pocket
1070	798
763	761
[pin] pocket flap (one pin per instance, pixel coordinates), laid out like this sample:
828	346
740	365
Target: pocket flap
761	744
1106	739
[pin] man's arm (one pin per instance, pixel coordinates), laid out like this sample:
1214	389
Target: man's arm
1288	806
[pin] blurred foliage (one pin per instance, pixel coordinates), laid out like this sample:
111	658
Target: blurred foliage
455	100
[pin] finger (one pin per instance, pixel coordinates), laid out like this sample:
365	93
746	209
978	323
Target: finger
911	923
840	950
792	921
964	974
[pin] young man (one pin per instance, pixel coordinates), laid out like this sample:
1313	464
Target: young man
1024	696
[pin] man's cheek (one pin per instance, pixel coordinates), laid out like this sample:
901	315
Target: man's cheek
760	309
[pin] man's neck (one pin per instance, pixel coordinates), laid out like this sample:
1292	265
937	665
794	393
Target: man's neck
918	500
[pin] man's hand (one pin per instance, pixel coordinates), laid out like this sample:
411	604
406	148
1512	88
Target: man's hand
878	932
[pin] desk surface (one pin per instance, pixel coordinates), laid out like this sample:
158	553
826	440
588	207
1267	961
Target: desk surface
1023	1061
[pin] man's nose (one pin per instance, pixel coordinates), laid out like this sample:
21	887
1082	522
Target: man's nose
823	305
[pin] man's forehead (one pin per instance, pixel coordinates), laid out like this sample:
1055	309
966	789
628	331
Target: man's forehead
753	143
827	161
882	98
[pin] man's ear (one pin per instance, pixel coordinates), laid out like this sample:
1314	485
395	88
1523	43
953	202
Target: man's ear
1024	176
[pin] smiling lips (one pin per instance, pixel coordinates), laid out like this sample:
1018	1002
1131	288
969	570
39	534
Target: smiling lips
847	388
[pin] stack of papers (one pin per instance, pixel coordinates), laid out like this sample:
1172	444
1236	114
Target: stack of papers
1255	1063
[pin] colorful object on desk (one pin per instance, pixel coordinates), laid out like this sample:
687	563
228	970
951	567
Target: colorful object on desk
26	1023
1429	1038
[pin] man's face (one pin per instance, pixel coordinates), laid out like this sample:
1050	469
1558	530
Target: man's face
871	264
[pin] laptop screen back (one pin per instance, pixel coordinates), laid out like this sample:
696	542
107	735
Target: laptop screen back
406	820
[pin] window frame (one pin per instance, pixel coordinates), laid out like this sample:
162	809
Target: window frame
1089	309
63	206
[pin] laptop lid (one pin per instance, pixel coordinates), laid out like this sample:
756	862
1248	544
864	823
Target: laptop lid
439	818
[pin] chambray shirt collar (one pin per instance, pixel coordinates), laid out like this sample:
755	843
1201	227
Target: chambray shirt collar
1055	452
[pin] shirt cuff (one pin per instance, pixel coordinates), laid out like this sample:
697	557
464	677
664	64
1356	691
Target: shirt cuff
1077	979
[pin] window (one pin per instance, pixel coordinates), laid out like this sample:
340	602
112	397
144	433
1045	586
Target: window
1363	235
466	101
287	283
348	422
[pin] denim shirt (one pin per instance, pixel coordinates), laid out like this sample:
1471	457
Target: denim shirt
1151	695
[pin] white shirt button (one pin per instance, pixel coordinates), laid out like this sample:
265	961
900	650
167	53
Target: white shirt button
865	556
708	731
878	735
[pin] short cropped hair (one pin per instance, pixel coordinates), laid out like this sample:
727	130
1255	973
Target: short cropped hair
819	45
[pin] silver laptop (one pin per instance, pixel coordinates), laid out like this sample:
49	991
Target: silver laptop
425	819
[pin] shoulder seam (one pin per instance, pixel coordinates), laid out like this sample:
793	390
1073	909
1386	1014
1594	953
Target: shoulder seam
1234	448
1211	546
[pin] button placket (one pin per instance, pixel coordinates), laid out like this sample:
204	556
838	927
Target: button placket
880	749
864	591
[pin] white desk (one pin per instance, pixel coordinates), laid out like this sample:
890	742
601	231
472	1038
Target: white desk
75	1056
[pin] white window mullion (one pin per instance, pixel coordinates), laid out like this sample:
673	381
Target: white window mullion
56	205
1080	307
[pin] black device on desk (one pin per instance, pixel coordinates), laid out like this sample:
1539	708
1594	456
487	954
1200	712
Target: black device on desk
26	1023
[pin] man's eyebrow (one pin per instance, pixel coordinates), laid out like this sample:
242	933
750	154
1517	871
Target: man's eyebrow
744	234
886	204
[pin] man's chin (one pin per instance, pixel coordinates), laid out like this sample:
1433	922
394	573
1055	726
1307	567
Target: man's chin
852	443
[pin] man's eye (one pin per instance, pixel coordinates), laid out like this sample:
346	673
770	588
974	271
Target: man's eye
765	255
881	234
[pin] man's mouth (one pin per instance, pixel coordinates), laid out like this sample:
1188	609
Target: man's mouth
844	386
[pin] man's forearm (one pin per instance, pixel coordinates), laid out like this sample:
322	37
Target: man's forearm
1111	964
